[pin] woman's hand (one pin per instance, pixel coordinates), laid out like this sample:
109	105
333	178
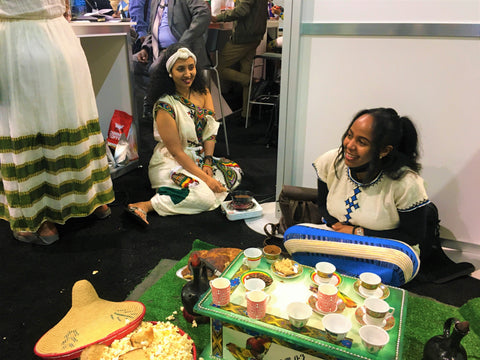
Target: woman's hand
347	229
215	185
207	170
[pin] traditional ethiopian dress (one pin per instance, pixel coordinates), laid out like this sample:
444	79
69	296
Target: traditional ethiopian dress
52	153
177	190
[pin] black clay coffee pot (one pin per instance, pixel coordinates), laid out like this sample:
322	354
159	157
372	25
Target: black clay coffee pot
194	289
447	346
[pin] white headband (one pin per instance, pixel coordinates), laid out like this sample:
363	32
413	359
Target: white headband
182	53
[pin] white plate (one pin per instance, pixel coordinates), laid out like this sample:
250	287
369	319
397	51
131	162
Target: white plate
179	273
298	270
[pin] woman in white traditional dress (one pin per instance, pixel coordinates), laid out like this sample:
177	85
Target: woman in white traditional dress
370	185
52	154
186	176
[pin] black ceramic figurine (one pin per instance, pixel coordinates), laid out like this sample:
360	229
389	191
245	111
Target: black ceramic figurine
447	346
194	289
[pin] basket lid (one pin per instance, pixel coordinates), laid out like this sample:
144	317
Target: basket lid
90	320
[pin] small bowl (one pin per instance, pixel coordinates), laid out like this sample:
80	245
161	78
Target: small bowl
242	199
271	253
298	314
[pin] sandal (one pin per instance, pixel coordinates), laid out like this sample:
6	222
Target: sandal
139	215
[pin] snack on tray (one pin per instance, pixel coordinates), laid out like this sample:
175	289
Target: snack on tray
220	258
285	266
159	340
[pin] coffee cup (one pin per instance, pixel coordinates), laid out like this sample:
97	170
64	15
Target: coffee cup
376	310
373	338
325	271
257	304
252	284
327	297
337	326
252	257
369	282
220	291
298	314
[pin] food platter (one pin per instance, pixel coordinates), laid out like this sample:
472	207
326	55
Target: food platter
266	277
297	270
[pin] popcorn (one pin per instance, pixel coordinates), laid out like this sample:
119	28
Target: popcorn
167	343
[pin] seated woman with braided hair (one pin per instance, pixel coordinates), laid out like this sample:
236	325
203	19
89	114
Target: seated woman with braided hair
370	185
187	177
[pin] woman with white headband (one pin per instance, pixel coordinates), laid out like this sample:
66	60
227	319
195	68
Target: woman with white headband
182	170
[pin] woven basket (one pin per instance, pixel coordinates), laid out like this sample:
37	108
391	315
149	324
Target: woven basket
394	261
91	320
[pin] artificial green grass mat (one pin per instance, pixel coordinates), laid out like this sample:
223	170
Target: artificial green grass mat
425	316
164	298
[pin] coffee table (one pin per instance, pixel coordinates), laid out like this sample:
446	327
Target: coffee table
236	336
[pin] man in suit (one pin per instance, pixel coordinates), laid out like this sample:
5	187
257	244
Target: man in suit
172	21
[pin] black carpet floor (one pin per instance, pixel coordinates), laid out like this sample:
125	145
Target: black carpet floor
116	254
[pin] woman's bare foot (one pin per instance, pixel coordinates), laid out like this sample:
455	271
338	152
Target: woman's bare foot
47	229
139	211
102	212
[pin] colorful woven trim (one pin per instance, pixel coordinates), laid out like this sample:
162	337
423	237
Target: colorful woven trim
182	180
229	169
198	114
395	261
160	105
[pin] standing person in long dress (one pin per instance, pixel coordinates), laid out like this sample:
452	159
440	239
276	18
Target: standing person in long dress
187	177
52	154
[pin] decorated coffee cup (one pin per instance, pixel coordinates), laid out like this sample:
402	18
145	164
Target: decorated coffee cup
257	304
376	310
369	282
298	314
220	291
252	257
374	338
337	326
252	284
327	297
325	271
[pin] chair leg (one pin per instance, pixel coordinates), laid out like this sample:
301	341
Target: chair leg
249	94
224	123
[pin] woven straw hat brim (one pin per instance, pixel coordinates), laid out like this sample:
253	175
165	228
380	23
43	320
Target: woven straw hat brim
91	320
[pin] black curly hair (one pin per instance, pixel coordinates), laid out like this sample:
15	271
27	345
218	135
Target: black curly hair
388	129
162	84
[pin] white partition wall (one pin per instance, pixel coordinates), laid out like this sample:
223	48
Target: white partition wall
420	57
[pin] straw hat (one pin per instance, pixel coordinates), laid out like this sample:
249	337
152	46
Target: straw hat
91	320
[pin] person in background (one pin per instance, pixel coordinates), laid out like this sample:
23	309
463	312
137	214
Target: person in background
53	163
187	177
172	21
118	6
249	24
140	14
370	185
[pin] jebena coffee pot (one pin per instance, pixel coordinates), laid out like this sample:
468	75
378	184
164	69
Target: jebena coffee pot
447	346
